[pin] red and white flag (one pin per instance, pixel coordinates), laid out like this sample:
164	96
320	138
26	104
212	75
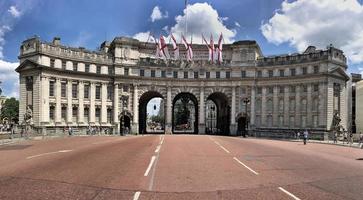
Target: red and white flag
219	49
175	47
158	52
163	48
210	47
188	48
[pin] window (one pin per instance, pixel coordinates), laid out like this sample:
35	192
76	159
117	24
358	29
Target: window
185	74
125	88
258	105
163	74
292	89
64	113
303	105
110	70
86	91
98	114
270	90
218	74
63	89
195	74
270	73
282	73
304	88
109	115
152	73
74	90
86	114
110	92
316	87
51	112
304	70
316	69
269	105
52	61
207	75
175	74
51	88
74	114
126	71
292	72
98	69
243	74
281	89
281	105
98	92
292	105
315	104
228	74
63	64
86	68
75	66
142	72
259	90
259	74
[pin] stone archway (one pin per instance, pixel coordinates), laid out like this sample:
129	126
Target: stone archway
143	101
223	112
186	119
125	119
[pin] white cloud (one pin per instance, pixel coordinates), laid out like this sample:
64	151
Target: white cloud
319	23
142	36
9	79
157	14
14	11
237	24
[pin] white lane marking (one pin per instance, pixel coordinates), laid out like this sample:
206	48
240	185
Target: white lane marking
136	195
150	165
162	140
236	159
222	147
157	149
43	154
288	193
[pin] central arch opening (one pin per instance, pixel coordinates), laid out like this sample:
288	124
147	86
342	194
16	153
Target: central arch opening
151	113
218	114
185	114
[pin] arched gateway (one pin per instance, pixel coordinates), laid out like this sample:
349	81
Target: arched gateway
110	88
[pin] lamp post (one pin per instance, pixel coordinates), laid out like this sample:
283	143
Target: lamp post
246	101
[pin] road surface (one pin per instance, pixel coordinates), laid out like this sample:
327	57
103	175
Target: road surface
178	167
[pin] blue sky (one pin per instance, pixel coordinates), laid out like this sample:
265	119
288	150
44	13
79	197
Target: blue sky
274	24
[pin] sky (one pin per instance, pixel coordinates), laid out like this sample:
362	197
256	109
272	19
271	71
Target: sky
279	26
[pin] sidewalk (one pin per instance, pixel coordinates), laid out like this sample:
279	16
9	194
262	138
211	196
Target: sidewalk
331	142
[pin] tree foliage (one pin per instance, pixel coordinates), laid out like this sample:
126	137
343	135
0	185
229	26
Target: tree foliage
10	110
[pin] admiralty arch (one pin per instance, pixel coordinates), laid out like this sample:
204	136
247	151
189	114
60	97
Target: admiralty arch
109	88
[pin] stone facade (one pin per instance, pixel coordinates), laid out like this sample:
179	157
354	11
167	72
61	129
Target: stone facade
359	107
81	88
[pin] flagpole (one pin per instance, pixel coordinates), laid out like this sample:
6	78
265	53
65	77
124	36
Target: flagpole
186	17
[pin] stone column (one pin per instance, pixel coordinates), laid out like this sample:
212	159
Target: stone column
116	120
45	97
92	107
286	109
253	109
309	116
275	114
263	109
69	102
135	128
298	119
58	104
233	127
168	125
201	128
81	102
103	103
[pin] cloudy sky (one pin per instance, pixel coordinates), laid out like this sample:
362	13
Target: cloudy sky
278	26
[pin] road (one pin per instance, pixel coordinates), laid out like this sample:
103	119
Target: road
178	167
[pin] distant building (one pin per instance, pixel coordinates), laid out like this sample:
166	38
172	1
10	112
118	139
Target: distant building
352	101
359	107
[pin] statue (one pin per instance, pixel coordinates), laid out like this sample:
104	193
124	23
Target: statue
336	127
28	120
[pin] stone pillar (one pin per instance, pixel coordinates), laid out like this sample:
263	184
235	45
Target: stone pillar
275	114
92	114
309	101
201	128
81	102
253	109
103	103
286	109
69	102
233	127
58	104
298	119
45	97
116	103
168	125
135	126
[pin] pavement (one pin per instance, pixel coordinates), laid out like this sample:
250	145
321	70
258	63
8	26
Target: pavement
178	167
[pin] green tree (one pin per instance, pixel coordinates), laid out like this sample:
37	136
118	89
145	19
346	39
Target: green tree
10	110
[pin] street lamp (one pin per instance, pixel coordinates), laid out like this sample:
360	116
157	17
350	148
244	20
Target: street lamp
246	101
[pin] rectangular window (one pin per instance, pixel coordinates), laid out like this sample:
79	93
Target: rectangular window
142	72
74	114
304	70
259	74
75	66
304	88
270	90
63	89
125	88
292	72
98	69
270	73
243	74
51	112
75	91
185	74
281	89
292	89
218	74
259	90
63	64
282	73
316	87
51	88
110	92
109	115
86	114
207	74
86	91
152	73
163	74
86	68
64	113
98	92
110	70
175	74
316	69
126	71
52	61
98	114
195	75
228	74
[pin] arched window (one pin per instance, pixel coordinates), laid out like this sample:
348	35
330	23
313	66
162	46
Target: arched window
258	105
292	105
303	105
269	105
315	104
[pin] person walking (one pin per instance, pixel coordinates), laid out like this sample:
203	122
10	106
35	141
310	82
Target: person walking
306	135
298	135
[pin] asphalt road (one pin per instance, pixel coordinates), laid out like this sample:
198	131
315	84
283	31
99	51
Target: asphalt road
178	167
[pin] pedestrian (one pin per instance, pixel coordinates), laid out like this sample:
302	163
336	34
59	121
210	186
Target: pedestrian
298	135
69	130
306	135
351	137
335	137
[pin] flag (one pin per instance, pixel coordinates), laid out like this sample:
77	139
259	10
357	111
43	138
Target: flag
163	48
188	48
219	49
210	47
175	47
158	53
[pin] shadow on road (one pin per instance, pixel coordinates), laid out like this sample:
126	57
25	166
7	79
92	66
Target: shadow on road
14	147
359	159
